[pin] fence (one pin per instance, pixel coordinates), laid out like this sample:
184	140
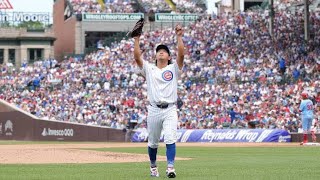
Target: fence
18	125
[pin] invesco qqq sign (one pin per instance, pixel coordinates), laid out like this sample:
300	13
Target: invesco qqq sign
57	132
24	16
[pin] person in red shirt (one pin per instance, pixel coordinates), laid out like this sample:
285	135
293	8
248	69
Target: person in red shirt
130	103
317	98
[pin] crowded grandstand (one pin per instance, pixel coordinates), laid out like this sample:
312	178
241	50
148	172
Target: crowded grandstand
236	75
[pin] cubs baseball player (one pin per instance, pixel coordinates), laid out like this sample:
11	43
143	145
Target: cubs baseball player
306	109
162	81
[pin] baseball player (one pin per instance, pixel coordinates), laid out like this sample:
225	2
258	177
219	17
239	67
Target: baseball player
306	109
162	82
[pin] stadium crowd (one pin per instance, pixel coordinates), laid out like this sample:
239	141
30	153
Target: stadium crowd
187	6
124	6
181	6
109	6
155	6
235	76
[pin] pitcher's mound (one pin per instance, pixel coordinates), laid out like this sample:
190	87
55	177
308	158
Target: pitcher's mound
68	153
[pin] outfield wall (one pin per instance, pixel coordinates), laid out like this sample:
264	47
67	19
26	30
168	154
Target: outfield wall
18	125
229	135
224	135
298	137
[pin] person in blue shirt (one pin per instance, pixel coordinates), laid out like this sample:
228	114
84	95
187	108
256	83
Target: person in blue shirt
238	31
36	82
232	114
306	109
282	66
296	74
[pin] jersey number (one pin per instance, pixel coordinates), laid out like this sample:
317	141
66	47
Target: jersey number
309	107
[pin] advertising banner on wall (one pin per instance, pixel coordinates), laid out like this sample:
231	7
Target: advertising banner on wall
5	4
167	17
16	17
224	135
18	126
112	17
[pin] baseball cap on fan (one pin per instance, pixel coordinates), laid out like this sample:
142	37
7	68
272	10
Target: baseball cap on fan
161	46
304	95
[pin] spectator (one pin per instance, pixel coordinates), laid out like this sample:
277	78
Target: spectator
223	70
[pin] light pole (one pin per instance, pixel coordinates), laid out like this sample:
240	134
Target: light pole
306	21
271	19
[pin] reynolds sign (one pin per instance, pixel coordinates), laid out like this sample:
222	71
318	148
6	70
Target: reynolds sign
226	135
24	17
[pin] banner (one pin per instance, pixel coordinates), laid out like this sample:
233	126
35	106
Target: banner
16	124
112	17
25	16
5	4
224	135
165	17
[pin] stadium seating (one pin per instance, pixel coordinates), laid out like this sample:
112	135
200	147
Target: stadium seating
94	6
234	74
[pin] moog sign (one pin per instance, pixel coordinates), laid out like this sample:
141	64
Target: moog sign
57	132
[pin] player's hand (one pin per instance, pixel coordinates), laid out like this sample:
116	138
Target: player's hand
179	30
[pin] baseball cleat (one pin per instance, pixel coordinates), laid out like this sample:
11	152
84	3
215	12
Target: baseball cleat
171	173
154	172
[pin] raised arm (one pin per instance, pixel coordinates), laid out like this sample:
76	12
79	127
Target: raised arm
180	57
137	51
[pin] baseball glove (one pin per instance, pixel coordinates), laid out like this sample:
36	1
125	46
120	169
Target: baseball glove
137	29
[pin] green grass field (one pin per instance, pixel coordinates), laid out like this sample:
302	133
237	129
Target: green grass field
216	163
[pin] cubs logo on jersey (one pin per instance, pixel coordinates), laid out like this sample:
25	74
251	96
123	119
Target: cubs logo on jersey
167	75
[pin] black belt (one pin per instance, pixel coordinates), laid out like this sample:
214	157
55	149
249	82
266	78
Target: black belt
162	106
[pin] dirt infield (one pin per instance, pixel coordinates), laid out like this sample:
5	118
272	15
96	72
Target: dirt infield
74	153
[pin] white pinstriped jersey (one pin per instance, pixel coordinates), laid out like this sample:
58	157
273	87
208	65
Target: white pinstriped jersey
162	84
